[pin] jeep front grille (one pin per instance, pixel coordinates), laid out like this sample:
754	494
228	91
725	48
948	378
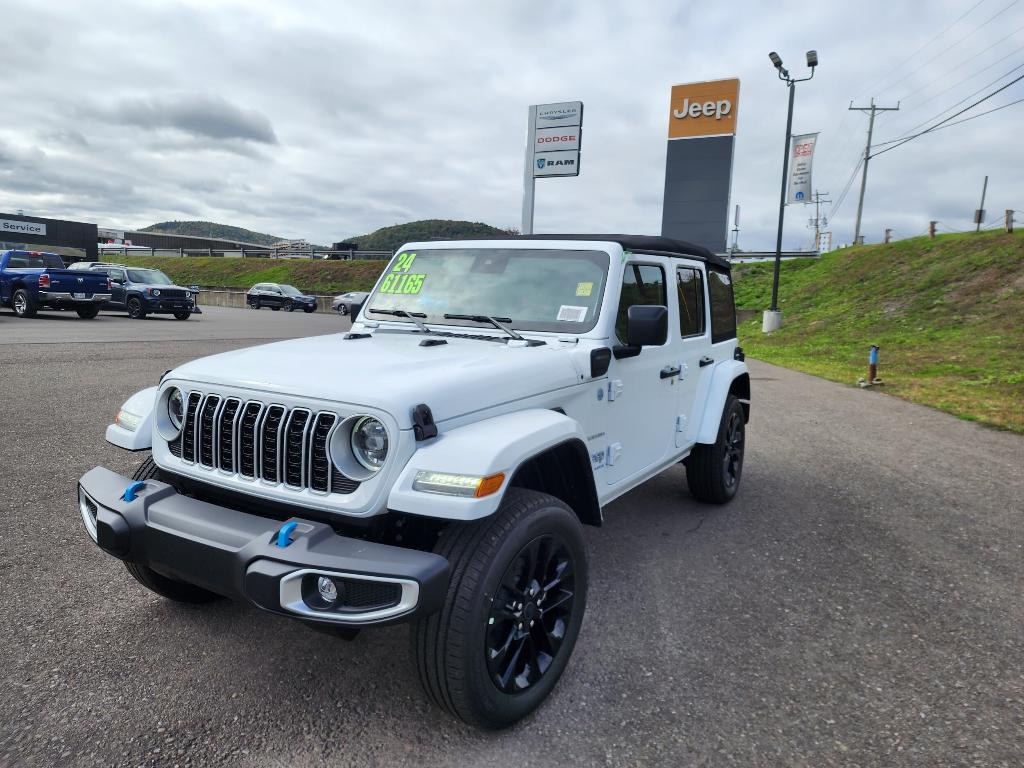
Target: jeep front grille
259	442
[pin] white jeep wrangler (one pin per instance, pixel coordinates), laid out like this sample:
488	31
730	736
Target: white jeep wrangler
436	463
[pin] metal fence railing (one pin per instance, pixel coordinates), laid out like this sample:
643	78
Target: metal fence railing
106	251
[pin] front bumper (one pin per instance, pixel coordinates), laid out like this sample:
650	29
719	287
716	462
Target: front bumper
169	306
237	554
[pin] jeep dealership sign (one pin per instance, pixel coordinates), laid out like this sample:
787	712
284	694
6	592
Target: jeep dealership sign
9	227
800	168
698	162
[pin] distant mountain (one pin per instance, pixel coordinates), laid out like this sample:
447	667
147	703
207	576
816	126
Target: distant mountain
212	229
390	238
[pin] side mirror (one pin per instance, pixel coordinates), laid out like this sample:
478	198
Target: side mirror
647	325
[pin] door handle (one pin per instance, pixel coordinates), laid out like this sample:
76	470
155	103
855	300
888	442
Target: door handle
669	371
706	361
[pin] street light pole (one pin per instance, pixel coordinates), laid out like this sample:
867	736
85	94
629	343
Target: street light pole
782	200
773	316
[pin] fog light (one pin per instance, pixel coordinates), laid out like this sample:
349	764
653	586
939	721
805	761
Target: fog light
327	590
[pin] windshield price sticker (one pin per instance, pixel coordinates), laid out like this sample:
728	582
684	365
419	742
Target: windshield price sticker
400	280
570	314
584	289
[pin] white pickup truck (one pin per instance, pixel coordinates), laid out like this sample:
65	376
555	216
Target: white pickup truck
436	464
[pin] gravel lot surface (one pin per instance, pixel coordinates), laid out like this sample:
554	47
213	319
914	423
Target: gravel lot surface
859	603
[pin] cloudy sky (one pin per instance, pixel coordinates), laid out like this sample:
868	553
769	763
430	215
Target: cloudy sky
328	119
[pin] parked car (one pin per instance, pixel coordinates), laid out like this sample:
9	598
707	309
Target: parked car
141	292
492	397
34	280
349	303
280	296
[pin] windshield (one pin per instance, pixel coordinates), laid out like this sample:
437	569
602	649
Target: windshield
290	290
35	261
149	277
539	290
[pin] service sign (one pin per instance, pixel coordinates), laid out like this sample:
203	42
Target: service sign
704	109
559	115
566	163
553	139
11	227
800	163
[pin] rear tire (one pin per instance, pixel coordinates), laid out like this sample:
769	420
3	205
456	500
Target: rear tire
713	471
172	589
514	608
135	309
88	313
309	310
24	303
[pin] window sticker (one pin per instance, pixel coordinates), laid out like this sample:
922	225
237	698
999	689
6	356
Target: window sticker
571	314
400	280
584	289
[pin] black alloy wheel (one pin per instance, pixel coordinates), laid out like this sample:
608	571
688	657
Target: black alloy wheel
732	461
135	308
713	471
530	614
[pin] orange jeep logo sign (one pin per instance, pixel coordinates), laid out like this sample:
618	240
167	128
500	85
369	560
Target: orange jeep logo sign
703	109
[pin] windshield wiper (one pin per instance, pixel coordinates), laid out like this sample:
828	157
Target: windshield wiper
413	316
497	322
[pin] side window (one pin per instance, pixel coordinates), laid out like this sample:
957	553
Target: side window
690	287
116	274
641	284
723	307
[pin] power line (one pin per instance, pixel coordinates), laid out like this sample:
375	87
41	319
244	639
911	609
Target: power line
921	48
846	188
946	120
965	98
943	52
965	120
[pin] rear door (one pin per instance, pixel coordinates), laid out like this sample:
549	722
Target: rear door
691	328
117	289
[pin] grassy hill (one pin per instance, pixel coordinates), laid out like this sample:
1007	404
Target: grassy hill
390	238
212	229
322	277
947	313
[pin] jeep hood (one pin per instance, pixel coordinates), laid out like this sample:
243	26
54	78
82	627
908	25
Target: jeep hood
391	371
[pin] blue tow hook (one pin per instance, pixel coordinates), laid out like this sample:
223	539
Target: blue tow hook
285	533
129	492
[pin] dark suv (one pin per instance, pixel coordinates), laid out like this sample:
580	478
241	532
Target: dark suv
141	292
280	296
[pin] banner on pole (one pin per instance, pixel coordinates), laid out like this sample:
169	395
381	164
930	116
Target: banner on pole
800	162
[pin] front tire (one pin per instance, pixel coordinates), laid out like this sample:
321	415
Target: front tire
309	310
713	471
88	313
514	608
135	309
182	315
24	303
172	589
276	309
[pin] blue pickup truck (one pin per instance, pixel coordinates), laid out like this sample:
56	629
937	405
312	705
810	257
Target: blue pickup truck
34	280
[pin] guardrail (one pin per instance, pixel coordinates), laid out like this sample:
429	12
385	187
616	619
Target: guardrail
237	299
246	253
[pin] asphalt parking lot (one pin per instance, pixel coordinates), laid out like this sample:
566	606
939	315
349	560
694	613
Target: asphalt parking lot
859	604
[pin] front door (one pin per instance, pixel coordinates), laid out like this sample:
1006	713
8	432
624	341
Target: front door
641	390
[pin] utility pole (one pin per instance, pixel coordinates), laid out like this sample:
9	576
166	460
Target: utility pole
871	110
817	222
979	215
735	232
1009	220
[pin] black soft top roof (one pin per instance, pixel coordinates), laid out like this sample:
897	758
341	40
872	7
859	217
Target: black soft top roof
667	246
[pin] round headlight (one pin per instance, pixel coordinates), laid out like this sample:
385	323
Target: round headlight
370	443
176	407
156	291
